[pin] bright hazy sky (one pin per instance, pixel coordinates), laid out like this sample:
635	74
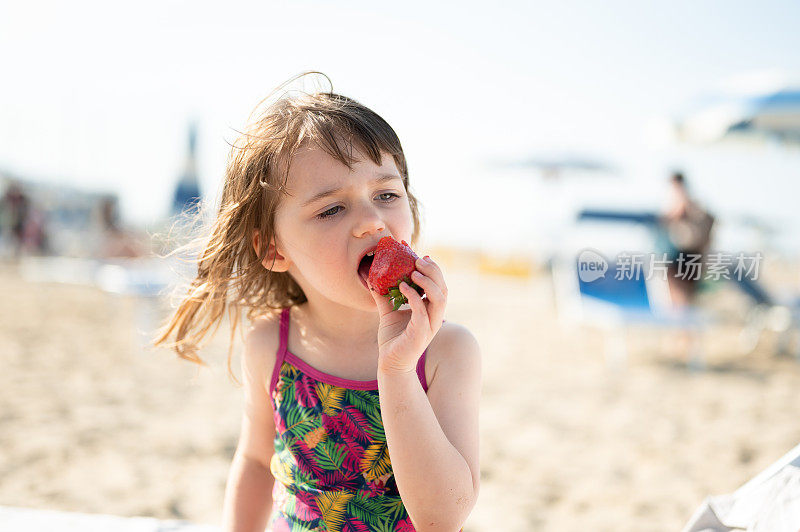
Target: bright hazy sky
99	94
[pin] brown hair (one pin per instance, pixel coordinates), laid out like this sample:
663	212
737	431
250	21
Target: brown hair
229	271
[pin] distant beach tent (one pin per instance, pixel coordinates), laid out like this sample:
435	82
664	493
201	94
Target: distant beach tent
187	192
766	110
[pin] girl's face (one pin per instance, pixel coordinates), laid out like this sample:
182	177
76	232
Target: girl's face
323	236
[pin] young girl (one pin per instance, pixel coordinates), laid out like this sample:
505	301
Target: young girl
356	417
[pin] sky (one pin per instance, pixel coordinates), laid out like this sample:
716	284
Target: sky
100	95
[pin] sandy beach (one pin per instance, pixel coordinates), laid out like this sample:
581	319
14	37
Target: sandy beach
90	421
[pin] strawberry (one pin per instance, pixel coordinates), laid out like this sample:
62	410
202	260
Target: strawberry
393	263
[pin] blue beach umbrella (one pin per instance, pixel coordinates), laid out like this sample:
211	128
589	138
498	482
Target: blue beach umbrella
767	114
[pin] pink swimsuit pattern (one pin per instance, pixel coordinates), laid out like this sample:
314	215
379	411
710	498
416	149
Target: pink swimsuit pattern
331	464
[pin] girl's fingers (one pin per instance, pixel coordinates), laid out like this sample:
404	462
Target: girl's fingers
382	302
432	289
418	307
436	298
432	270
438	295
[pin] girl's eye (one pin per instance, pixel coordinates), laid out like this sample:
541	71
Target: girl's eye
325	214
391	195
328	213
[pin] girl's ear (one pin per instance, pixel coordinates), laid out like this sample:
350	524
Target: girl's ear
274	260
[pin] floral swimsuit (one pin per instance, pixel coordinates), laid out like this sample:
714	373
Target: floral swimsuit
331	464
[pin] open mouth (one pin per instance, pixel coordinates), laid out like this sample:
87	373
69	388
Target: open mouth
363	269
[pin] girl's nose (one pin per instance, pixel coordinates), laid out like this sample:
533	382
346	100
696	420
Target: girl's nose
369	221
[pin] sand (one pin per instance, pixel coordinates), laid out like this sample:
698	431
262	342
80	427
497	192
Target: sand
92	422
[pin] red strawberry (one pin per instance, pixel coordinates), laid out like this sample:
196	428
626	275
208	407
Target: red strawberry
394	261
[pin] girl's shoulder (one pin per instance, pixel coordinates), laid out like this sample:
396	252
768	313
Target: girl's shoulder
267	324
452	344
262	341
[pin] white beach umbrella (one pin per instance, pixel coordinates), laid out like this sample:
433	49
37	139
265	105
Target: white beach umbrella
761	108
558	163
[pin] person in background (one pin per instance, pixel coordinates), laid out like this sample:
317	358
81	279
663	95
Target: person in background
14	207
688	230
688	226
116	241
35	239
23	223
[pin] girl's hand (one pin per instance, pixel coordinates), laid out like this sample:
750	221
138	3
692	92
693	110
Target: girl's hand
404	334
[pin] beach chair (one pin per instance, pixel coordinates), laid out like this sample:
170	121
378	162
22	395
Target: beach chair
620	298
616	302
779	314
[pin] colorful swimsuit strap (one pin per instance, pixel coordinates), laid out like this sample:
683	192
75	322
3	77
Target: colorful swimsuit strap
284	345
281	354
421	371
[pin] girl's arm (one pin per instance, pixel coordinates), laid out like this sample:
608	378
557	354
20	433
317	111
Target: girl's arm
248	496
248	493
433	440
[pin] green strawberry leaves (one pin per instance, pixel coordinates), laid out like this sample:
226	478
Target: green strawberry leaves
397	297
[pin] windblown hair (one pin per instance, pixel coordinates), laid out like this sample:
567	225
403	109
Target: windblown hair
230	274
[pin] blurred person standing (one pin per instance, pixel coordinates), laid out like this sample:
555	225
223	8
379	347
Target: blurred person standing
687	238
35	239
13	211
115	241
688	227
22	224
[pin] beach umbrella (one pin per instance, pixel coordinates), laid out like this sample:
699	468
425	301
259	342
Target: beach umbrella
558	164
769	112
187	193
